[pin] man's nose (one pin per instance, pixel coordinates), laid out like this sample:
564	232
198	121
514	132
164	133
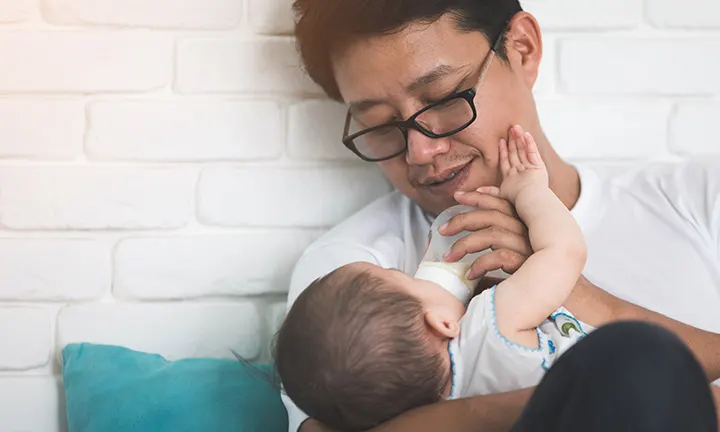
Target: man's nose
423	149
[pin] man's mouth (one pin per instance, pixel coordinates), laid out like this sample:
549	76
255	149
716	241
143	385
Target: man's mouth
449	180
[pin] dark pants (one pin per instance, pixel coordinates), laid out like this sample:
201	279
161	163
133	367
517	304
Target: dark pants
631	377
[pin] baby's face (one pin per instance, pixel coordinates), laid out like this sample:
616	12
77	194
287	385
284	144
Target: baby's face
434	297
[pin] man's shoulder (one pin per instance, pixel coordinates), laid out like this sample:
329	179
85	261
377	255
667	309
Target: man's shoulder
686	172
679	192
666	180
379	233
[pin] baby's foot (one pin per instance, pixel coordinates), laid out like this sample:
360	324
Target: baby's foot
520	164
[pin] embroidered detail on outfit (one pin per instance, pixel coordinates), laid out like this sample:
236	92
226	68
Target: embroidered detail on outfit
566	323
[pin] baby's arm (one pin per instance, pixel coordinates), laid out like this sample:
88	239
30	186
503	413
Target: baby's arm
545	280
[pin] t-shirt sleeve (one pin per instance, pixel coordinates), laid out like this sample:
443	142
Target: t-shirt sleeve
714	195
698	187
314	263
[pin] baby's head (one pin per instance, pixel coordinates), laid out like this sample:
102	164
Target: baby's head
364	344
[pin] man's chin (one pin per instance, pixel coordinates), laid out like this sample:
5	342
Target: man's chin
435	205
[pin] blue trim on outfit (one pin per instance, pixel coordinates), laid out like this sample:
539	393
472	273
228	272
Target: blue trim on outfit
453	372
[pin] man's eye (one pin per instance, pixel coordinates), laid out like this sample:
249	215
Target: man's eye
444	96
368	123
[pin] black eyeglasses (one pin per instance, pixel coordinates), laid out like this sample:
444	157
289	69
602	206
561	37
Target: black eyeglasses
440	119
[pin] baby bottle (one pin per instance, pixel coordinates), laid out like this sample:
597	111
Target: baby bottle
449	275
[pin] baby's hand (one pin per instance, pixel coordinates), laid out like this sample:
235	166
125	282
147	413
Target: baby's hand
520	164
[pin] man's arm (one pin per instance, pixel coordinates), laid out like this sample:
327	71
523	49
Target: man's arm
716	396
487	413
597	307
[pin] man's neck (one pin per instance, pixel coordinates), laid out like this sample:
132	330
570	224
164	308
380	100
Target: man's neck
564	178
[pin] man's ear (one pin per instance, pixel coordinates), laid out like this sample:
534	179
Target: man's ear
524	46
442	325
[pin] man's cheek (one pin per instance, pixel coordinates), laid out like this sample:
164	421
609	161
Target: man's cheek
396	170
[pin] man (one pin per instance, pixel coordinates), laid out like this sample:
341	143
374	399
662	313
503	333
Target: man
431	88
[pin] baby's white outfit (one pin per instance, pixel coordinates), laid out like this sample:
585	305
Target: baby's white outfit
484	361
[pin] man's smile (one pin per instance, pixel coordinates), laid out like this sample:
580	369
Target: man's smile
448	181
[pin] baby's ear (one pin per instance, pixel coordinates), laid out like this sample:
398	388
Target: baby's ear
442	325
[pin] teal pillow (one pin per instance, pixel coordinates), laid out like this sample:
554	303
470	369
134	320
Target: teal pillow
115	389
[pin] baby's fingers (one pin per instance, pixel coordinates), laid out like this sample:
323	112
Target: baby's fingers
513	150
490	190
522	150
533	153
504	160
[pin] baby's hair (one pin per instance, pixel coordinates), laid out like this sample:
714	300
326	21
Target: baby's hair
251	369
353	352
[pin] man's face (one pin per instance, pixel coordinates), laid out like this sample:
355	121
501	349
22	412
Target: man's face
402	73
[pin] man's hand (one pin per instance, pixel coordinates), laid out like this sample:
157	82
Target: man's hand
494	225
312	425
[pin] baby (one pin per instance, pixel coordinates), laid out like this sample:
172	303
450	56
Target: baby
364	344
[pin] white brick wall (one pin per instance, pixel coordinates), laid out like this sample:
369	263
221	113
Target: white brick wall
16	11
84	62
25	334
164	163
180	130
46	129
208	14
684	15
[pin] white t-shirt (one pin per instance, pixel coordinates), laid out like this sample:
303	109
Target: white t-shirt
653	237
484	361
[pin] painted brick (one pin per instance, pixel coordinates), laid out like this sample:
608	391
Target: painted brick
16	11
208	265
25	335
271	16
78	62
53	269
639	66
267	65
690	14
692	129
95	198
315	131
303	197
204	14
185	131
585	15
173	330
41	128
31	403
628	129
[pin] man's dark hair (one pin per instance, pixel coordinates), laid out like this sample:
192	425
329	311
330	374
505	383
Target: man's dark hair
324	26
353	352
